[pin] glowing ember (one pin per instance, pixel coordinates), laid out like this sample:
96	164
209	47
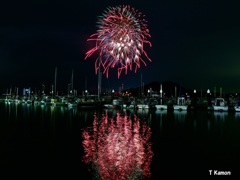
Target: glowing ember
120	39
118	149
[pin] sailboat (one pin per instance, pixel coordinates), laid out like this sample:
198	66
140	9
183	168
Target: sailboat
181	104
237	106
8	97
57	101
72	103
220	105
161	106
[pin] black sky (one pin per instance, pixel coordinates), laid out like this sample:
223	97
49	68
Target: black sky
194	43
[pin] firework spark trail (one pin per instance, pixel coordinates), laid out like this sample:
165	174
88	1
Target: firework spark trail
120	40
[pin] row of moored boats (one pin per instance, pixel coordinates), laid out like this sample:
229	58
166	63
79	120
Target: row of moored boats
219	104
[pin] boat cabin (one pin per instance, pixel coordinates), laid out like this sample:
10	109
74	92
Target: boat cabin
220	102
181	101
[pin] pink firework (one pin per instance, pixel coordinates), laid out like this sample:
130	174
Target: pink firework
120	39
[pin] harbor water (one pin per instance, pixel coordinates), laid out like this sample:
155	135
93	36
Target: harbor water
46	142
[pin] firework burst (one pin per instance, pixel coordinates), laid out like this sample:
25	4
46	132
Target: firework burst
120	40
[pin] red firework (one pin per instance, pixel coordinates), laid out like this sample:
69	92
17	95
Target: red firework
120	39
118	149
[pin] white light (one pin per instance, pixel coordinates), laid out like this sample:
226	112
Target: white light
117	57
137	51
136	57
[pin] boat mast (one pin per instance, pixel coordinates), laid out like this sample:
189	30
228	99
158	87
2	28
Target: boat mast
141	87
72	81
99	82
220	92
86	83
99	79
176	93
161	95
55	82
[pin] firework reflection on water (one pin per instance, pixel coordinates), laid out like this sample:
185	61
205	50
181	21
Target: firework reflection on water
118	148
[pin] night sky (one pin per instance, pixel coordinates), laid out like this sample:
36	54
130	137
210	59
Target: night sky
194	43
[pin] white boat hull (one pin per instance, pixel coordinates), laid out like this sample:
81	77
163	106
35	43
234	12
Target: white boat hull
180	107
220	108
237	108
71	105
161	107
143	106
131	106
220	105
108	106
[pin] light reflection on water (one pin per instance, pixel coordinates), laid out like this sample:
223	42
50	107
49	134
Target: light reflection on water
220	116
180	117
237	116
118	147
206	136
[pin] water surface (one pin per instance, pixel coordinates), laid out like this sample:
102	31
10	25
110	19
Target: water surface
45	141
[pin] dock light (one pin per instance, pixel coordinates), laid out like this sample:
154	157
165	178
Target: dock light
194	91
208	91
86	91
161	91
149	92
113	93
